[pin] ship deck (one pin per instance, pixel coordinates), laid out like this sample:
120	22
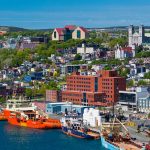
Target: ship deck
127	146
93	134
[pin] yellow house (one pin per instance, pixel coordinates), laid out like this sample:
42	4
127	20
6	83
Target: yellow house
80	33
58	34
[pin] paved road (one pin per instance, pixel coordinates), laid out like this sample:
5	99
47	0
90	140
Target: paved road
142	137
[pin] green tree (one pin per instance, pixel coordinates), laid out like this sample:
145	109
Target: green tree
147	75
29	92
138	49
121	41
142	83
78	57
52	85
107	67
2	100
124	72
130	83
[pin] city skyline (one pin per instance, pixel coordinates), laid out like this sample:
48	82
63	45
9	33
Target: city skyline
46	14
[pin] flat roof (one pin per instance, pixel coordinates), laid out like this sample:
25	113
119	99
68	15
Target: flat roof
79	106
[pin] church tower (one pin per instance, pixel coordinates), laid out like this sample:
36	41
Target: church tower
130	33
141	35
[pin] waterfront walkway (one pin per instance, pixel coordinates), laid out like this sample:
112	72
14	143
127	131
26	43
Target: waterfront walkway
142	137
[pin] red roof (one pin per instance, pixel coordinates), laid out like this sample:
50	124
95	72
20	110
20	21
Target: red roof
127	49
83	29
60	31
2	33
70	27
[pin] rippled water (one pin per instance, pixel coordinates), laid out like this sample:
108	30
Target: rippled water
19	138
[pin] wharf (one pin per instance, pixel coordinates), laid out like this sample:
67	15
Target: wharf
142	137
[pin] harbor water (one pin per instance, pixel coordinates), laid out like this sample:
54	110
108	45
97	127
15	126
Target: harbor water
19	138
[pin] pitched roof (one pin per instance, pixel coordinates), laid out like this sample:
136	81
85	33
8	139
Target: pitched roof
83	29
60	31
127	49
70	27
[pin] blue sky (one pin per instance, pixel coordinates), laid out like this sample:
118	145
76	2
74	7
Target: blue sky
88	13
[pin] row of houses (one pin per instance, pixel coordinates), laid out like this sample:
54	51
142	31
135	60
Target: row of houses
21	43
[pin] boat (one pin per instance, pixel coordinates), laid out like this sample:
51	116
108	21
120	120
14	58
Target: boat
52	123
22	112
113	137
18	105
31	120
2	117
73	126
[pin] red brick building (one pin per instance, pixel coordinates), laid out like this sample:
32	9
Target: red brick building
100	90
53	96
110	83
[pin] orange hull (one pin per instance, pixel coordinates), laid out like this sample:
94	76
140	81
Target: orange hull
6	113
28	123
53	123
50	124
3	118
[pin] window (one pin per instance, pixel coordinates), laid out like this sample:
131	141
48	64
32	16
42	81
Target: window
78	34
55	34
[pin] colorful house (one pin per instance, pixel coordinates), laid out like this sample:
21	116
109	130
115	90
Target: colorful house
69	32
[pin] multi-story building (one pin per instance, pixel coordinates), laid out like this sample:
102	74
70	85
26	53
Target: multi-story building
99	89
134	98
144	104
53	95
65	69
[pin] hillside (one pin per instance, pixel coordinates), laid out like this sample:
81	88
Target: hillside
17	29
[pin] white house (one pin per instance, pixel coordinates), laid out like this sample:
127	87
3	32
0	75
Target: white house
125	52
85	50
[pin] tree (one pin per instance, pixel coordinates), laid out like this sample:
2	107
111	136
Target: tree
29	93
2	100
107	67
147	75
78	57
77	62
124	72
130	83
142	83
143	54
115	41
149	115
52	85
138	49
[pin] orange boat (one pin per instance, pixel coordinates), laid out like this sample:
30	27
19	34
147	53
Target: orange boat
6	113
32	122
52	123
2	116
22	112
